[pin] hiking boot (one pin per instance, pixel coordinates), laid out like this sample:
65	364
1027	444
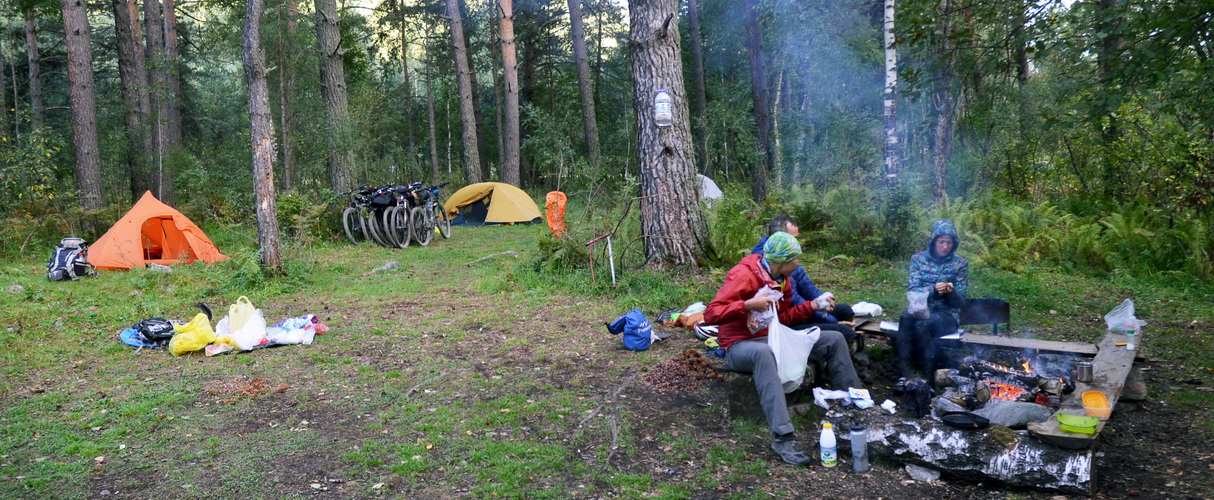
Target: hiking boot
900	386
789	451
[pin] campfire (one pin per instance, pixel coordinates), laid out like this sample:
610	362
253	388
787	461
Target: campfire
1009	375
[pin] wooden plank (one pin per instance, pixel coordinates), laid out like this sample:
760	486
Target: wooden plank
1110	368
1040	345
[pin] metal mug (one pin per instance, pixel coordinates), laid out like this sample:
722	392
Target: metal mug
1083	371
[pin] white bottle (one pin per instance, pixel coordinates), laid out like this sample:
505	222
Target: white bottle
826	442
662	112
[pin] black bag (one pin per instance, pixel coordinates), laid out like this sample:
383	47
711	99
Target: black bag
155	330
918	397
70	261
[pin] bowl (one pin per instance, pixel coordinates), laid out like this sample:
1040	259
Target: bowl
1095	404
1077	423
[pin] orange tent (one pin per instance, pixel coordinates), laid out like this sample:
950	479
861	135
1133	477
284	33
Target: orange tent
152	232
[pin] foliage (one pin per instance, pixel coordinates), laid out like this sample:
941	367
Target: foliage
30	171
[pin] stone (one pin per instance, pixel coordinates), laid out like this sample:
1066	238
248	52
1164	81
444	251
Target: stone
1135	388
1014	414
388	266
14	288
923	474
152	266
945	405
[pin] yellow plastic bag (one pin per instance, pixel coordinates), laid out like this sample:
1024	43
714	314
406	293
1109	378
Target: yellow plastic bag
239	313
191	336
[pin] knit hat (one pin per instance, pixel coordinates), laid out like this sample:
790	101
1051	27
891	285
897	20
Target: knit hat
781	247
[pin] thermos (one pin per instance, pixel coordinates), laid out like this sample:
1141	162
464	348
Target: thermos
1083	371
859	448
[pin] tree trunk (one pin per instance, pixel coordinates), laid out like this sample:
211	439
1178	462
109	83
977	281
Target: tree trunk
467	113
410	145
758	94
35	65
333	88
1106	122
589	121
510	156
157	66
286	89
942	103
430	114
172	58
893	152
84	107
261	128
12	68
672	221
4	130
495	53
698	127
481	152
133	73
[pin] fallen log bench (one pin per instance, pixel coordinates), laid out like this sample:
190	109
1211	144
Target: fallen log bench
1111	367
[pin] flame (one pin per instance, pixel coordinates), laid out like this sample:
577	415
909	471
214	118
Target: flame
1004	392
1027	368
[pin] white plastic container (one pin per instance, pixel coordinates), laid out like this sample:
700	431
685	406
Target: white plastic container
662	109
826	443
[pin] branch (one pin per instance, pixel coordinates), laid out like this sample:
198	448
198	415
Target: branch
490	256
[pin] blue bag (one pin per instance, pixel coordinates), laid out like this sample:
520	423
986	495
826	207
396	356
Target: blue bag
638	335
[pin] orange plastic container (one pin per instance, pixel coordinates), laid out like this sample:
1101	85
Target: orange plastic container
1095	404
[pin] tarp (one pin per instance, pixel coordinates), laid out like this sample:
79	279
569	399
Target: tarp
708	189
152	232
491	203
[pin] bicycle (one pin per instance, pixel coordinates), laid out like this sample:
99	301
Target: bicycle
428	214
396	218
353	218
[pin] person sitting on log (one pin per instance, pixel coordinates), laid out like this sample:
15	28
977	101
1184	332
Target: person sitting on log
838	316
938	281
748	352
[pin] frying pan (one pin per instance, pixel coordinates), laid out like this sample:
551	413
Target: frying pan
965	420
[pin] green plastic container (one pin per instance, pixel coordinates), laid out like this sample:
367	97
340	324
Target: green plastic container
1078	423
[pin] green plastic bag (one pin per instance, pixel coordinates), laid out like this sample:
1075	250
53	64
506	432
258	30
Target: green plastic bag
191	336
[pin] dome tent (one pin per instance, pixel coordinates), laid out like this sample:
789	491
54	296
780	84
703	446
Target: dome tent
491	203
152	233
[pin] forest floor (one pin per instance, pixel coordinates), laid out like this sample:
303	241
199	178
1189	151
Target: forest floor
440	380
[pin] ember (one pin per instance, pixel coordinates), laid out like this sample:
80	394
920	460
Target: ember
1004	392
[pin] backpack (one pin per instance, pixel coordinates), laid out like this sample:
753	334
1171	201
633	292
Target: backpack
70	261
156	331
638	335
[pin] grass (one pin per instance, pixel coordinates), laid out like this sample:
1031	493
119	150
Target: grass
441	379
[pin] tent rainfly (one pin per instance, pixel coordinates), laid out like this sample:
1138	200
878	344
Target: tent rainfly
491	203
152	233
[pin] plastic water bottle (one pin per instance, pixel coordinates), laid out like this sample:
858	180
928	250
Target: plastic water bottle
662	113
826	442
1131	338
859	448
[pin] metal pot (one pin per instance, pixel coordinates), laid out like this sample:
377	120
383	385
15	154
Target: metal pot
1083	371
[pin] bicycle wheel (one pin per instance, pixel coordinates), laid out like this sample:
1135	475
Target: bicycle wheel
377	233
423	230
386	223
398	226
352	221
443	220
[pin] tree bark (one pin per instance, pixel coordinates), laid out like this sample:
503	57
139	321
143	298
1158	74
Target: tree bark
672	220
467	113
35	68
261	128
157	66
481	151
172	59
286	89
942	103
410	144
430	114
510	156
589	120
333	88
758	94
133	73
495	54
4	125
893	151
1105	120
698	127
84	107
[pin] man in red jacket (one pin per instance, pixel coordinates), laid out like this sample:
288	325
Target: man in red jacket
748	352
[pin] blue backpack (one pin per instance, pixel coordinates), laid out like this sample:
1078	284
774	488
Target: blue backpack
638	335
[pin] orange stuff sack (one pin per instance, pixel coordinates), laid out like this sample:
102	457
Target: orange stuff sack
554	206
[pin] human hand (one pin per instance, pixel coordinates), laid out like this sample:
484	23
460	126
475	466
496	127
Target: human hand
848	323
824	302
944	287
759	304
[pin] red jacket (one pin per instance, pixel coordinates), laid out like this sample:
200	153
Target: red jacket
728	309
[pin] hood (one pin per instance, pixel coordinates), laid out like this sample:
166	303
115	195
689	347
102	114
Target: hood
943	228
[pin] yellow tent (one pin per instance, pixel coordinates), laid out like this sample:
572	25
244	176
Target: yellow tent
491	203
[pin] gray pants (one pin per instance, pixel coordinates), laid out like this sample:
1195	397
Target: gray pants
755	357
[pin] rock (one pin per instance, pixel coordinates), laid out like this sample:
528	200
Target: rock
861	359
1014	414
923	474
942	378
1135	388
14	288
386	267
159	268
945	405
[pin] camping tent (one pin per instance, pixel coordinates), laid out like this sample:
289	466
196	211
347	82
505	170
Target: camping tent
491	203
709	190
152	232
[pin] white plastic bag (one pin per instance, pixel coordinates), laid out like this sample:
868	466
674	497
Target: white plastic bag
791	348
918	304
249	335
758	320
1122	318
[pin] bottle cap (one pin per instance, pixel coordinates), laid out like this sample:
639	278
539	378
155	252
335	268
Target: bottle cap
857	428
825	425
